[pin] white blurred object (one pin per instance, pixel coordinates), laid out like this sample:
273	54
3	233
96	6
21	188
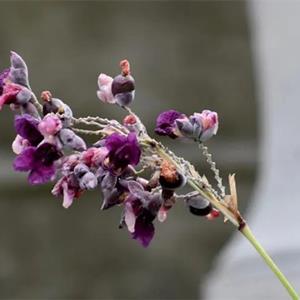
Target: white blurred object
274	216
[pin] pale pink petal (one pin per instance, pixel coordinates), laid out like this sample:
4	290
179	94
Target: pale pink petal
130	217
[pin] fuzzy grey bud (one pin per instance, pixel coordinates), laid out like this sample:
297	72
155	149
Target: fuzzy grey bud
18	70
71	140
80	170
198	205
88	181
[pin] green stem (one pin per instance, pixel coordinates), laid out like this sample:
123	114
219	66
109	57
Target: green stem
251	238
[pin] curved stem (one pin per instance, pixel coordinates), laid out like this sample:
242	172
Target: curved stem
268	260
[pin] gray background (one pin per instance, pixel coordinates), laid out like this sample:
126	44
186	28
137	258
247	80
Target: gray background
184	55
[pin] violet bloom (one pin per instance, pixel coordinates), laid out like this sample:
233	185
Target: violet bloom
166	123
27	127
105	93
39	162
122	151
140	209
3	76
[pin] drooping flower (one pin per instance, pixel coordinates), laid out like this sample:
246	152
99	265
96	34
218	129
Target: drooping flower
39	162
67	187
123	85
105	93
122	151
166	123
141	208
113	193
50	125
27	127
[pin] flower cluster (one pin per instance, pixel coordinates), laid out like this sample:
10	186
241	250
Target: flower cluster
199	126
48	148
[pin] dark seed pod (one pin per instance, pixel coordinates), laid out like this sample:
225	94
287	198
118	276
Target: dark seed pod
123	85
175	183
199	206
170	178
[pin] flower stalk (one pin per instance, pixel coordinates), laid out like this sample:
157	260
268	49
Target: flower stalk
117	160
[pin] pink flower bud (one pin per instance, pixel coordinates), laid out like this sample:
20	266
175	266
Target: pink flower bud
104	93
50	125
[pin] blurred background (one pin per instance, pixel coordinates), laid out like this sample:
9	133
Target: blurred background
184	55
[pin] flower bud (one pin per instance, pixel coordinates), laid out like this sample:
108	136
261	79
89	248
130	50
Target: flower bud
104	93
50	125
199	206
170	178
23	96
80	170
123	85
205	125
57	106
18	70
70	140
88	181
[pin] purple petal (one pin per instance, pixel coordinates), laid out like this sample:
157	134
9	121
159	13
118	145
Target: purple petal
27	127
165	122
41	175
25	161
46	154
143	231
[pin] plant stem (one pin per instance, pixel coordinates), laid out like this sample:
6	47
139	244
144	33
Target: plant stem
262	252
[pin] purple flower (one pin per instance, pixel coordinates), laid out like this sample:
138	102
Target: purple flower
122	151
39	161
3	75
166	123
27	127
140	210
144	229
